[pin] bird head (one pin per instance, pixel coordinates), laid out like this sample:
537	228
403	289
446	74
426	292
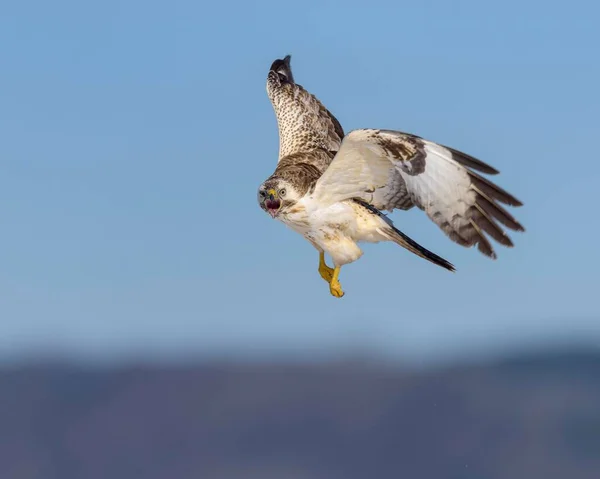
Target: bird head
275	195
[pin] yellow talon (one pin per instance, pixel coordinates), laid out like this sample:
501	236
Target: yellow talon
334	285
325	271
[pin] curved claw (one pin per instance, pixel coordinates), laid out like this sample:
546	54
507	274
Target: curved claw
335	288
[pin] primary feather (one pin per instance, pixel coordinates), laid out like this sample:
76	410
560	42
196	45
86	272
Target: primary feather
393	170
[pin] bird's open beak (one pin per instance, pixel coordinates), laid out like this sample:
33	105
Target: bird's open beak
273	203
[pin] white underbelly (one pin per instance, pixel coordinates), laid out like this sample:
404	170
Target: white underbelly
337	229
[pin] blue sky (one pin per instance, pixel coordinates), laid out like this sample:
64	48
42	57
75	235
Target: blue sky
135	134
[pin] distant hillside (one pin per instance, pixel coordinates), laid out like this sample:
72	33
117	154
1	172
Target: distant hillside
530	417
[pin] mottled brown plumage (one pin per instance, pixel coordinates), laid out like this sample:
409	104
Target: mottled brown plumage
304	123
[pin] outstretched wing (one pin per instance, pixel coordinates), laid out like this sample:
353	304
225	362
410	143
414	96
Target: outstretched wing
390	170
304	123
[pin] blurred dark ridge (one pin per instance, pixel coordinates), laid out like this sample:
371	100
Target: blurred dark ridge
531	416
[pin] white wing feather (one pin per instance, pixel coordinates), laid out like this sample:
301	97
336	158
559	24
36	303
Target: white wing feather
393	170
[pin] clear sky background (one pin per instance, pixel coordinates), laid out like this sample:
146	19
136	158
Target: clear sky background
134	135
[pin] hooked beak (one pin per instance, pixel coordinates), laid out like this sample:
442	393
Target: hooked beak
272	203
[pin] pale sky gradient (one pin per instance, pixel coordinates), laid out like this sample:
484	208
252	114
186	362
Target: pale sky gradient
134	136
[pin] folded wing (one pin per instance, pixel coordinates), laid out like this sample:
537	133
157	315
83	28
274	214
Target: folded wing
304	123
391	170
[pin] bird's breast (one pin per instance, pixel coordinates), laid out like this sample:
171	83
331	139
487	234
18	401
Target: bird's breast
296	217
329	222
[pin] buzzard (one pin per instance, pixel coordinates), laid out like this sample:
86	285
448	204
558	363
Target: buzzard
333	188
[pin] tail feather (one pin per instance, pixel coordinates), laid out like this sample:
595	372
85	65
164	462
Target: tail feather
283	69
398	237
411	245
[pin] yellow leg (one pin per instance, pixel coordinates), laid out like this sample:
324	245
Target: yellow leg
325	271
334	286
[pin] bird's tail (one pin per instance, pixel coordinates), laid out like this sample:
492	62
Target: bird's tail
283	69
401	239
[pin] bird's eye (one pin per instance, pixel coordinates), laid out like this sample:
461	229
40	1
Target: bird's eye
262	193
282	192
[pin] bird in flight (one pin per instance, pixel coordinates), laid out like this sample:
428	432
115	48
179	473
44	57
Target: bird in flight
333	188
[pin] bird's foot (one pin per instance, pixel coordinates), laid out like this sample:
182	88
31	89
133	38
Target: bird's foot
331	276
336	288
334	285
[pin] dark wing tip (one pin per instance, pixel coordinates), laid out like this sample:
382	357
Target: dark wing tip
435	259
281	62
472	162
449	266
283	68
494	190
